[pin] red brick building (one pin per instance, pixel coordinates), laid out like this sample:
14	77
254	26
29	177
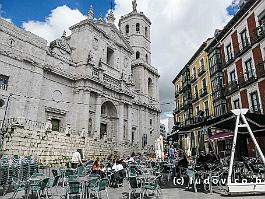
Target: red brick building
242	52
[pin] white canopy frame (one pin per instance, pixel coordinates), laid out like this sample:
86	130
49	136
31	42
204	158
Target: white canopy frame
234	187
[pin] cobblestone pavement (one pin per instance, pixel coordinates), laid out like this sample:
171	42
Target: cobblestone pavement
122	193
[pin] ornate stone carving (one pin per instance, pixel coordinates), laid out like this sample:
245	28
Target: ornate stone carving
61	44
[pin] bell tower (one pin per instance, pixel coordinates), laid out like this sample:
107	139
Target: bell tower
135	27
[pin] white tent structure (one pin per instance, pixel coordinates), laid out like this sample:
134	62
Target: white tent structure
247	187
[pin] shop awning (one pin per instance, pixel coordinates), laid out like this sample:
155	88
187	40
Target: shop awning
221	136
227	122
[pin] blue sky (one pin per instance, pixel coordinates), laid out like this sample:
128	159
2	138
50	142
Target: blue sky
20	11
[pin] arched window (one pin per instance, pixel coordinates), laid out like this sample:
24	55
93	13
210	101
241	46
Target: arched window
146	32
137	55
150	87
127	29
146	58
137	27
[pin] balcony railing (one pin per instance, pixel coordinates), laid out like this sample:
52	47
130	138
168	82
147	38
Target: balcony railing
255	109
260	32
243	46
201	70
181	106
249	78
3	86
231	88
195	97
193	78
176	93
180	89
203	92
228	59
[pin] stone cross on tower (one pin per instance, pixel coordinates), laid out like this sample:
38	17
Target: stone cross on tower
134	4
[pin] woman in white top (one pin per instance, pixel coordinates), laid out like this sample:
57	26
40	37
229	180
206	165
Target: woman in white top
117	166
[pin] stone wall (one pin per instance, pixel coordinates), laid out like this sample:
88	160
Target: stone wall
52	148
56	148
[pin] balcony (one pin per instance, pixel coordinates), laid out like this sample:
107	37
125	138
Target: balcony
181	106
201	70
180	90
195	97
259	32
177	110
228	60
193	78
231	88
176	94
3	87
249	79
203	92
255	109
243	47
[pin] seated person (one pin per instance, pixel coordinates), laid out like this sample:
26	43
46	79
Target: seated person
97	168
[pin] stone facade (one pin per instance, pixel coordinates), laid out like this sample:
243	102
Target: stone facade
83	91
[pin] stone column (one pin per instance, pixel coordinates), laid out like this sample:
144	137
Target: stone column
129	124
85	111
80	110
141	128
97	116
121	123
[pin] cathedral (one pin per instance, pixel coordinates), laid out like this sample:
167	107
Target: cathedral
94	90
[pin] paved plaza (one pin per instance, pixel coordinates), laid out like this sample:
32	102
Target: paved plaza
122	193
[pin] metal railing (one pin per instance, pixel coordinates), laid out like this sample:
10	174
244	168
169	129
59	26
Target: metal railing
255	109
3	86
195	97
232	87
193	77
260	32
201	70
203	92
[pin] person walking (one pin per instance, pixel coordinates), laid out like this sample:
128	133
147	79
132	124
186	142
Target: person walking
171	153
76	159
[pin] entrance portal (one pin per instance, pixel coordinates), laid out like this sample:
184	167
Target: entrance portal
109	121
103	130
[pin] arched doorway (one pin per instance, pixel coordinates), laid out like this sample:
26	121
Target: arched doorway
109	121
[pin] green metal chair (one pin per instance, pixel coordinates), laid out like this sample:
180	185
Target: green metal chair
191	178
54	184
67	172
74	188
72	178
91	184
152	186
80	171
102	186
134	184
17	186
41	186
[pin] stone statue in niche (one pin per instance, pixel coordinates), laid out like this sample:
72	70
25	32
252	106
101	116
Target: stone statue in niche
90	57
48	125
83	133
67	130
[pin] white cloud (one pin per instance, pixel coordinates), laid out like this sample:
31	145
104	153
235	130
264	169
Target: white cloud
178	28
60	19
1	12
